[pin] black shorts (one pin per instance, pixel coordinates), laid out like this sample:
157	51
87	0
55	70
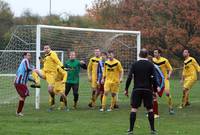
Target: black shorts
139	96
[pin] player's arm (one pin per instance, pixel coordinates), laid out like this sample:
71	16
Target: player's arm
89	70
64	73
83	64
196	65
183	75
104	74
169	68
121	72
128	81
55	58
27	66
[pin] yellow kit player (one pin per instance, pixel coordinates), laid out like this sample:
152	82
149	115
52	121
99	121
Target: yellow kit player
59	87
166	69
112	76
189	76
49	70
92	75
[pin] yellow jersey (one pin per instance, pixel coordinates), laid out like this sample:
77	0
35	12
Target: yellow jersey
164	65
112	71
51	61
190	68
61	75
93	66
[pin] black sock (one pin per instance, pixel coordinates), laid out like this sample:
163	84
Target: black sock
151	120
132	120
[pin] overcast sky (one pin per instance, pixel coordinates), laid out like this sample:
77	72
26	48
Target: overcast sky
41	7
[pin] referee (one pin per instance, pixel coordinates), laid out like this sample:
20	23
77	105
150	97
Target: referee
143	73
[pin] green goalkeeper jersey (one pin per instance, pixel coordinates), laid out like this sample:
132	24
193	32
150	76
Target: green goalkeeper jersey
74	70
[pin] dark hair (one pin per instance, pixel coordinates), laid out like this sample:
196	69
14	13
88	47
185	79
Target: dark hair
159	51
25	53
105	53
110	51
143	53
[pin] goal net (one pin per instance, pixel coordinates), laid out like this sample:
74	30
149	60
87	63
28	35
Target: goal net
125	44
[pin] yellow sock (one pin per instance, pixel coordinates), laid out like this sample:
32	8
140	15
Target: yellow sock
36	78
113	102
104	102
170	102
62	105
51	101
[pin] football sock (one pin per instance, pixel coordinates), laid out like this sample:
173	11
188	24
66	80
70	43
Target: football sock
104	102
113	102
155	107
132	120
20	106
151	120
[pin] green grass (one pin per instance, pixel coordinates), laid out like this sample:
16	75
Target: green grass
85	121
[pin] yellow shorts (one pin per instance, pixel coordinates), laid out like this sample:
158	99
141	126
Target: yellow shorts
188	83
49	77
59	87
167	85
111	87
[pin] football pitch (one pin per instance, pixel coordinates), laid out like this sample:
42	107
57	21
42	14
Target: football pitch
86	121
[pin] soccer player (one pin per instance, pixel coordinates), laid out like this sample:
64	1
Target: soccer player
21	80
100	70
74	66
160	81
189	76
50	62
166	69
92	75
143	73
59	87
112	77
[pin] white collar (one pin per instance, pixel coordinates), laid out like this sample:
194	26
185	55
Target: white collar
142	58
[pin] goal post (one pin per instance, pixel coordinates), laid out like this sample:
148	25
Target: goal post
125	44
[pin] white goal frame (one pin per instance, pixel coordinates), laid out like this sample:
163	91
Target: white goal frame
38	45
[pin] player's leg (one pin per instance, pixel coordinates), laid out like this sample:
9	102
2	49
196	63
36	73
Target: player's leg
136	101
23	92
155	105
68	87
187	85
169	97
50	78
148	98
36	79
92	102
75	88
114	90
106	91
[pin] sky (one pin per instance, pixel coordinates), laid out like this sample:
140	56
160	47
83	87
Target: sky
41	7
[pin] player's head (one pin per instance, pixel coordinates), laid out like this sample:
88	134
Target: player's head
144	53
47	48
97	52
157	53
27	55
186	53
150	58
104	55
110	54
72	55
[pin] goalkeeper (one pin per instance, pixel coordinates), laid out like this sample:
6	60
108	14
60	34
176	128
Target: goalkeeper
73	65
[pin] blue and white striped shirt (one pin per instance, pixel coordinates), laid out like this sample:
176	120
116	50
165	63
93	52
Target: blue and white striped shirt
23	72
